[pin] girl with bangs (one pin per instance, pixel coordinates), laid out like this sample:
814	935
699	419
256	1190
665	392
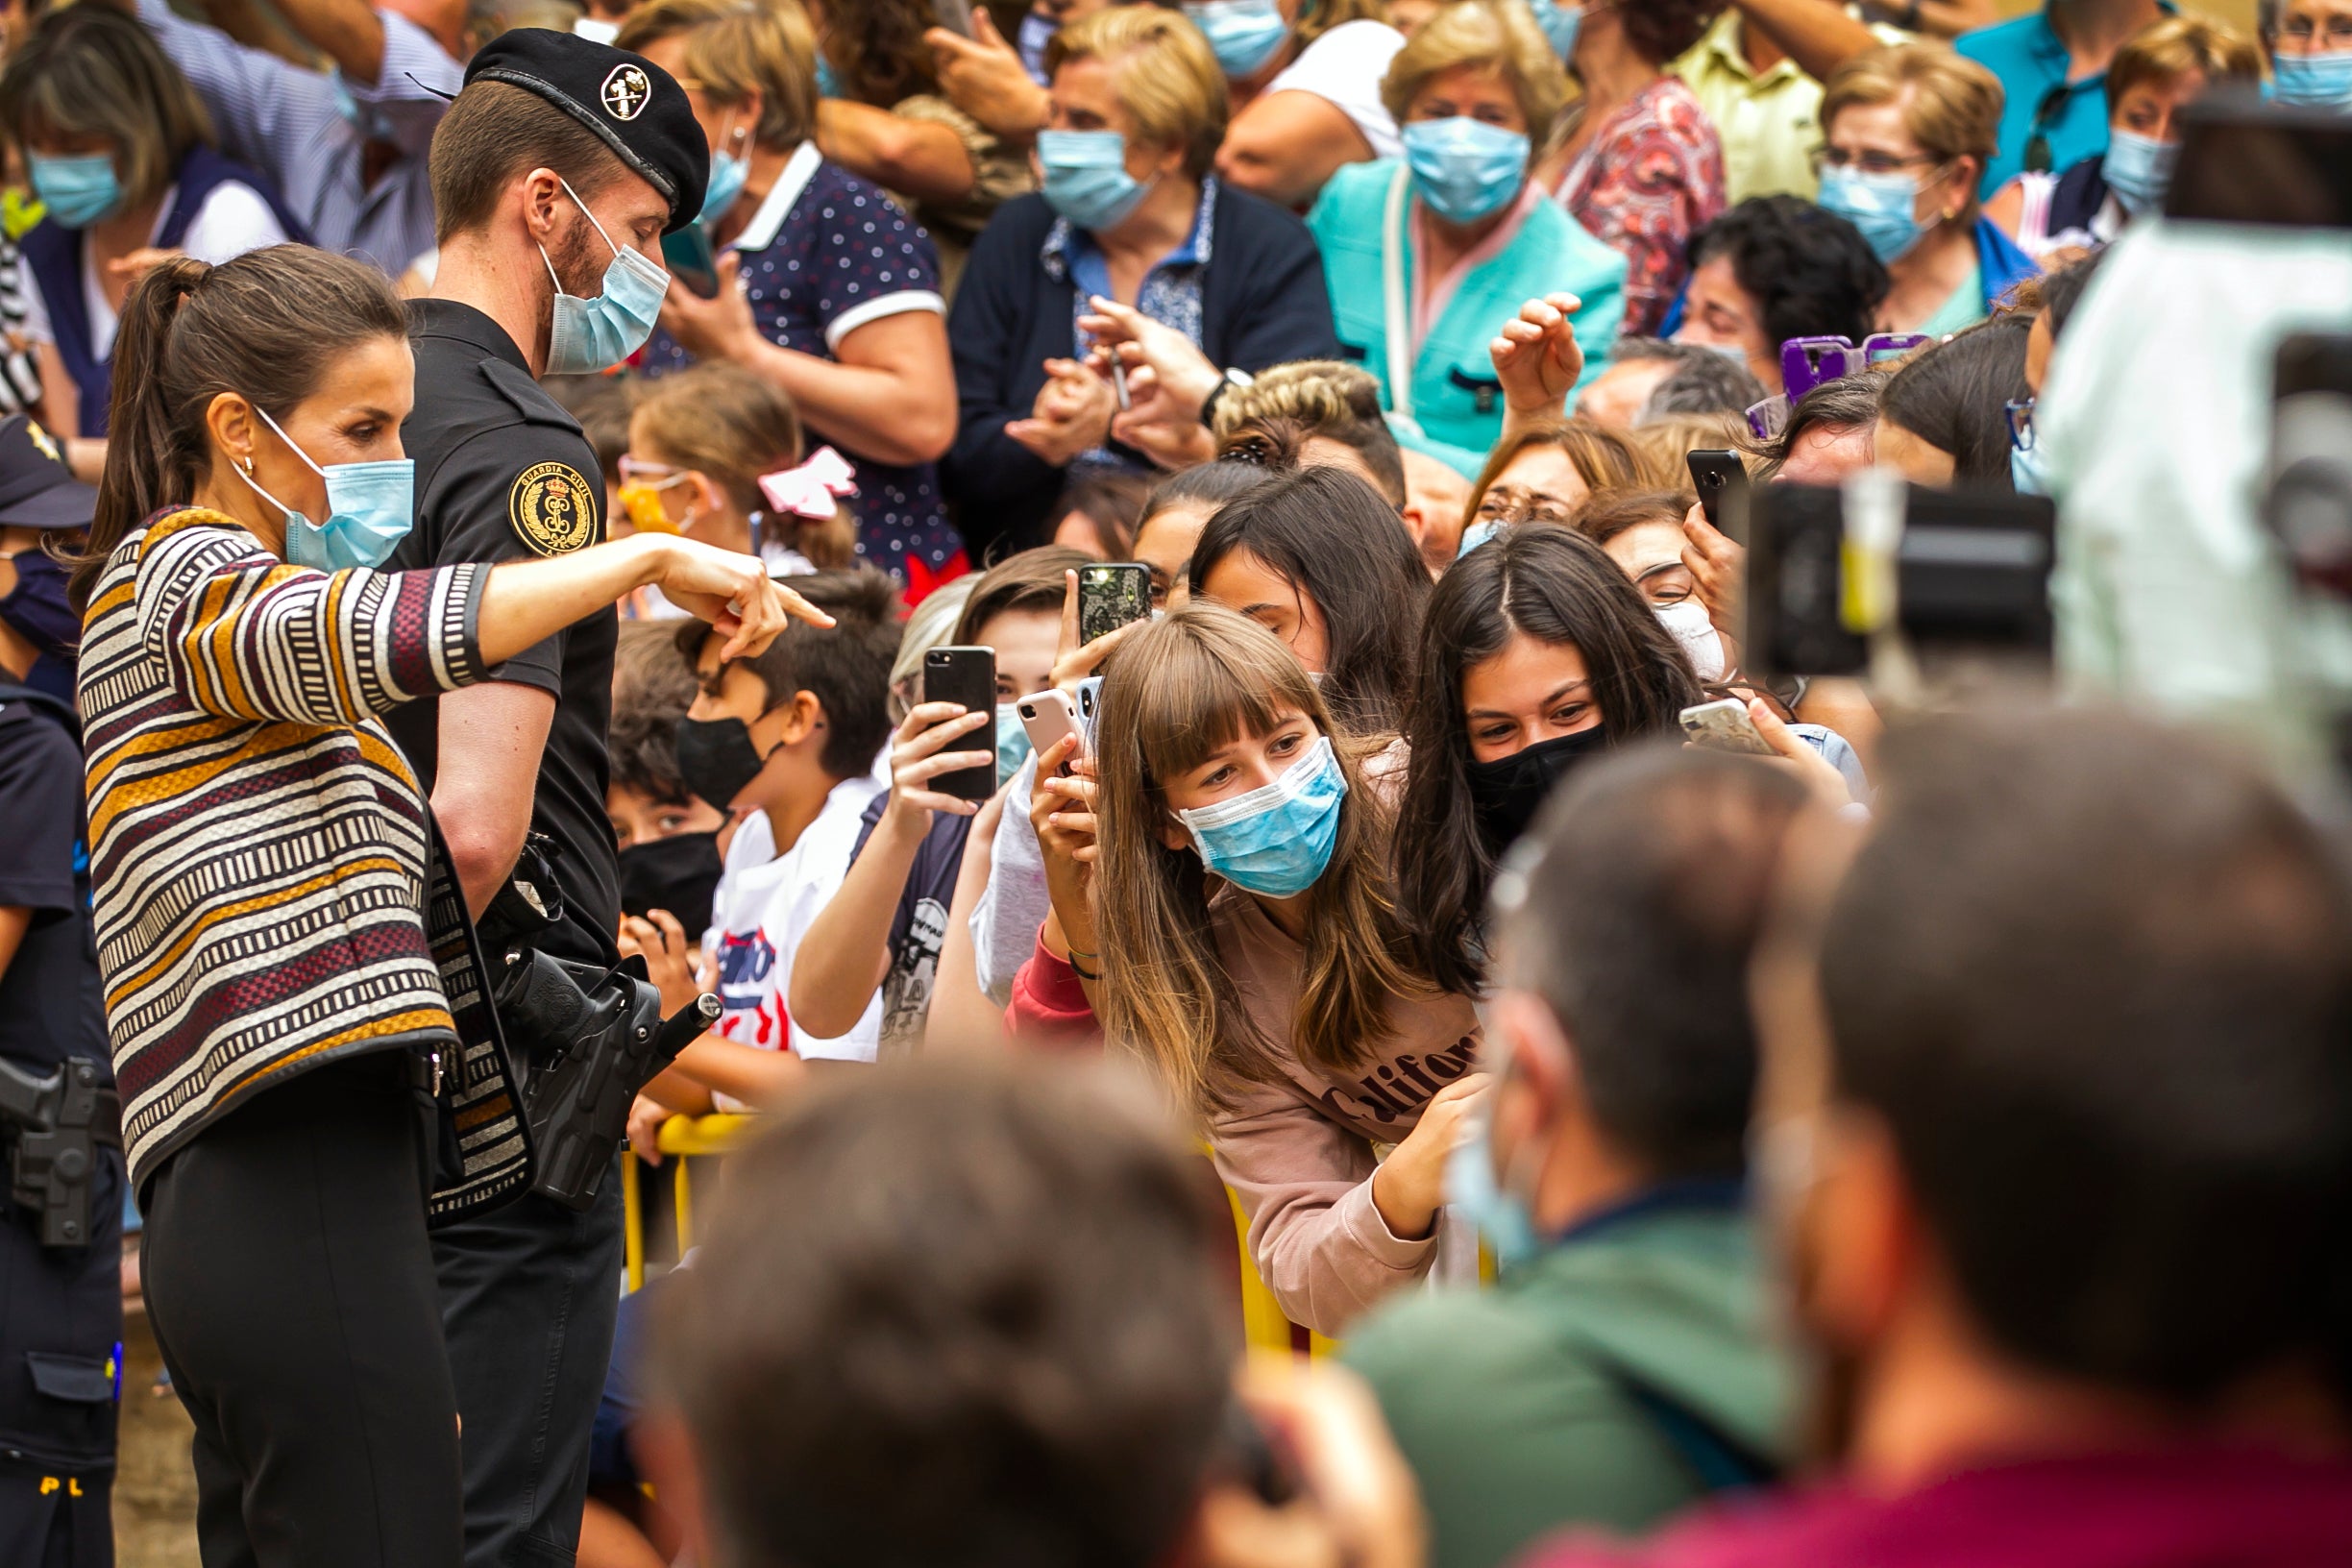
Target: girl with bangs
1239	886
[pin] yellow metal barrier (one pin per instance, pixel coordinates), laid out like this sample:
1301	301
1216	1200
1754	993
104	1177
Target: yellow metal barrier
680	1139
1265	1325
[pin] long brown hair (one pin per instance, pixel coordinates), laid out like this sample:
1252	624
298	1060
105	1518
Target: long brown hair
264	325
1179	689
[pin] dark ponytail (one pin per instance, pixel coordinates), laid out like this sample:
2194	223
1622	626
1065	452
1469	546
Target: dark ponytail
264	325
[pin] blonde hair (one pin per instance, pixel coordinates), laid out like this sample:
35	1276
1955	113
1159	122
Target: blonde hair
1663	446
1952	110
1320	16
736	48
731	427
1163	72
1187	685
1500	34
2169	49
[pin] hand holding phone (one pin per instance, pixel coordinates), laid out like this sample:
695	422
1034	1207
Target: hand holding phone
1048	717
1721	480
692	260
1111	596
1725	726
967	676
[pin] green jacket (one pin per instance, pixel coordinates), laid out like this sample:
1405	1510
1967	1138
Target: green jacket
1515	1405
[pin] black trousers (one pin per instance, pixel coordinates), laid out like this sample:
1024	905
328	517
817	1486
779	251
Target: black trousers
529	1292
290	1285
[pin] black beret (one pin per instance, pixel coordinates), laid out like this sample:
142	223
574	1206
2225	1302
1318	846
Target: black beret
633	103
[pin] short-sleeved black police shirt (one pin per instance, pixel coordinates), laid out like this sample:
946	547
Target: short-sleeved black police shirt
503	473
51	1001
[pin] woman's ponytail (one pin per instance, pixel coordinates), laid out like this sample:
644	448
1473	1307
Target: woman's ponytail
264	325
145	467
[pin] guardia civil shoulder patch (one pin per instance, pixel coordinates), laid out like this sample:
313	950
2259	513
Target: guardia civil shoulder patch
552	509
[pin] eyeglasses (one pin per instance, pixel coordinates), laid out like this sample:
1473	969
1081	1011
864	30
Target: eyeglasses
2046	114
652	475
1512	505
2302	30
2021	412
1868	162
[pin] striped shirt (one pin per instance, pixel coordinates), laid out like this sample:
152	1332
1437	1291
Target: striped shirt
308	130
261	859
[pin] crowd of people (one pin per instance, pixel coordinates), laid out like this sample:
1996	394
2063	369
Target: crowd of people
1119	622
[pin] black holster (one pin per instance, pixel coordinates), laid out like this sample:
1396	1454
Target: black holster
594	1038
59	1122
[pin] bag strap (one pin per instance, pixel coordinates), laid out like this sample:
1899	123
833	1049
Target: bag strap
1719	1461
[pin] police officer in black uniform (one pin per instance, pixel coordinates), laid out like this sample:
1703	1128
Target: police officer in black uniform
62	1205
555	173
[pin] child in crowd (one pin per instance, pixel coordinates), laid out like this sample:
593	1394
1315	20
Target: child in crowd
1241	875
669	836
885	926
784	743
712	454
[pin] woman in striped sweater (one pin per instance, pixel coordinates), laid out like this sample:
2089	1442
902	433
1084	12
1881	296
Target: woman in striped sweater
306	1056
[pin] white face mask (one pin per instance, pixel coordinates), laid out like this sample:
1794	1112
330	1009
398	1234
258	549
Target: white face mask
1688	621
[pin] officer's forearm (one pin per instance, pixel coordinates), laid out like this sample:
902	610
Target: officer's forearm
490	740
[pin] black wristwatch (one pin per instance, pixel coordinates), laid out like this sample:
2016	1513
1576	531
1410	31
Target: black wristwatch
1225	384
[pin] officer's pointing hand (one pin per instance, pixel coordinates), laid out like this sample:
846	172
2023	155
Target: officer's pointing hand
733	592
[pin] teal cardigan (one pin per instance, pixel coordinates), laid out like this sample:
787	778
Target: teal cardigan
1457	404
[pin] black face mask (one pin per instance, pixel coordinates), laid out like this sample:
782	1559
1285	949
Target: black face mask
679	874
1507	792
716	759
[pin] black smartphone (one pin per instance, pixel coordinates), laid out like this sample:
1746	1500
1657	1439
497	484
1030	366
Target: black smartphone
966	675
1971	576
689	255
1111	596
1722	482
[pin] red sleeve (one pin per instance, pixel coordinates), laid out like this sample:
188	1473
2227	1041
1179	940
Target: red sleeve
1049	1007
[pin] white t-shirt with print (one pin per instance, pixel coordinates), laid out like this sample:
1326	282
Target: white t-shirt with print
1344	67
764	905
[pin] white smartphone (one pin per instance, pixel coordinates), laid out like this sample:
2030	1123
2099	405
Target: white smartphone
1725	727
1048	717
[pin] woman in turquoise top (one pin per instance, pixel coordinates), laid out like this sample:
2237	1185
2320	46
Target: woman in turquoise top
1906	133
1427	256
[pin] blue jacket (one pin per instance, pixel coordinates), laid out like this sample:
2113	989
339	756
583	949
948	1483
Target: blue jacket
1262	304
1457	401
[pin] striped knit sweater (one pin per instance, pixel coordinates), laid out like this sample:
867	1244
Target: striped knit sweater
262	862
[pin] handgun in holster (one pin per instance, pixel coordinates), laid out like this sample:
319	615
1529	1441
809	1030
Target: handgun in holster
60	1121
593	1036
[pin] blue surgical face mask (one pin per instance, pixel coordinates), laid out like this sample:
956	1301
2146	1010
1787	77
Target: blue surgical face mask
2027	472
1086	178
2324	81
1013	747
76	189
587	335
1277	838
370	508
1242	33
1037	31
1559	24
2139	169
828	85
1476	534
1883	206
727	173
1502	1216
1465	169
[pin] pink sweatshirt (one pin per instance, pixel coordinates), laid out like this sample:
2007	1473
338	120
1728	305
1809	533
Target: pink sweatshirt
1299	1154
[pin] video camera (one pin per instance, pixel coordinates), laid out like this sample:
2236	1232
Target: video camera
595	1037
61	1121
1830	571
